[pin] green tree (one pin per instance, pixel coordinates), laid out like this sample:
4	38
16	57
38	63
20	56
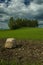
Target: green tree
34	23
11	23
18	23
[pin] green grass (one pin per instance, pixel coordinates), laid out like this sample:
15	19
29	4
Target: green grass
23	33
13	62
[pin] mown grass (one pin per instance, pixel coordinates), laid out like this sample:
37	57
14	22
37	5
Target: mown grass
23	33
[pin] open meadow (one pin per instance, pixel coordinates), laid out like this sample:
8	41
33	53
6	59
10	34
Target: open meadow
23	33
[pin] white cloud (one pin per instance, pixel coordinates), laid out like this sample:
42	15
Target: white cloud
19	9
3	25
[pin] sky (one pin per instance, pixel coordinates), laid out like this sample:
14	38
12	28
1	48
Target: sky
31	9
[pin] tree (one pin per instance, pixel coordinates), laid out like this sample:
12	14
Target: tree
34	23
18	23
11	23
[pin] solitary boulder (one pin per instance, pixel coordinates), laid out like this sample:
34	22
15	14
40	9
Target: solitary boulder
10	43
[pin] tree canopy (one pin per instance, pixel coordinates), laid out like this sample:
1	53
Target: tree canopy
19	22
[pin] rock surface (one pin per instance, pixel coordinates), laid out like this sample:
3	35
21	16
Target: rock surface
10	43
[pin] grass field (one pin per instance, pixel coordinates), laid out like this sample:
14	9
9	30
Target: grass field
23	33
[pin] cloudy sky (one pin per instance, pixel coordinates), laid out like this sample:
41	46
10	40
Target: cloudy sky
31	9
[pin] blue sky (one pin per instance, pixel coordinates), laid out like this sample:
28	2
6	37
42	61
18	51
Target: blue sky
31	9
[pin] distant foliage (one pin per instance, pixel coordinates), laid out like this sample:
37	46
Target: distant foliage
18	23
11	23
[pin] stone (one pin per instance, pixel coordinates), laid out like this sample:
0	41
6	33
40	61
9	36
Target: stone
10	43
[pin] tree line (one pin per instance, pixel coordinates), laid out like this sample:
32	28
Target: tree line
19	22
